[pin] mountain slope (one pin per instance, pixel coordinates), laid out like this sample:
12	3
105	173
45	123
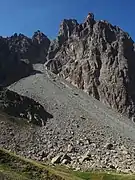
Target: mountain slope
79	124
27	170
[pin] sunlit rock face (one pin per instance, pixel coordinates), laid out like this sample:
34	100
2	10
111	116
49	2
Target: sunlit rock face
98	58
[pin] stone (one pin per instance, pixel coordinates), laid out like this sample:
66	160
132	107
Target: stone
66	157
64	161
11	133
43	154
125	152
85	157
70	148
112	166
109	146
82	117
77	169
87	142
57	159
50	156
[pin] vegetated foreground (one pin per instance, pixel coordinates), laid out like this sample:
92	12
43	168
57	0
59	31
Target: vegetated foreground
13	167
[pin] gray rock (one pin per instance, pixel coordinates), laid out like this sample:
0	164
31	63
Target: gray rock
64	161
98	58
57	159
85	157
23	107
65	156
50	156
70	148
109	146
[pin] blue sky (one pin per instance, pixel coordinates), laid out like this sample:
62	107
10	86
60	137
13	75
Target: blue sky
27	16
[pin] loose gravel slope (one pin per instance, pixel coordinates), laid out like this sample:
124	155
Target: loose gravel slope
80	122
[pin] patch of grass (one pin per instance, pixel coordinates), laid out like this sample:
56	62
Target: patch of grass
13	167
103	176
21	169
8	174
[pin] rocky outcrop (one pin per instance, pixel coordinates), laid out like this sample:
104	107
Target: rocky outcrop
23	107
33	49
98	58
18	53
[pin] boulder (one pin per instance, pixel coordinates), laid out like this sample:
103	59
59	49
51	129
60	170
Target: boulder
85	157
57	159
109	146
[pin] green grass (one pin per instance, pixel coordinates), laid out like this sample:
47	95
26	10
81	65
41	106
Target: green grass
104	176
77	175
13	167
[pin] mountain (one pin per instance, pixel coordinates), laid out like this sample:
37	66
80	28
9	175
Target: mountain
47	109
18	53
95	56
98	58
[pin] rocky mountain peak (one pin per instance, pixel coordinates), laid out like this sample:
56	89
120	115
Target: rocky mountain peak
18	53
98	58
66	29
40	38
90	18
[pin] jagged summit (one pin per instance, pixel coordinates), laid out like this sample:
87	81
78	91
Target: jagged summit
98	58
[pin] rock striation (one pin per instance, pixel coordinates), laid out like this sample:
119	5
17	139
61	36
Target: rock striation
98	58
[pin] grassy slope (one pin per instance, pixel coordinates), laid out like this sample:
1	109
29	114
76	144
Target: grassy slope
13	167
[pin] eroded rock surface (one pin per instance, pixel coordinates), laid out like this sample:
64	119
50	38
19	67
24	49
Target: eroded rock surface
23	107
18	53
98	58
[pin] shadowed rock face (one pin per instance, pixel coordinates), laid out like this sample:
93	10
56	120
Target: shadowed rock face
18	53
23	107
98	58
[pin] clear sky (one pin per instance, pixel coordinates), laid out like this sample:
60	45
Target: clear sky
27	16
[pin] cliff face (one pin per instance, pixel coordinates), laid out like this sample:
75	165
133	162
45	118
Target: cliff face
98	58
